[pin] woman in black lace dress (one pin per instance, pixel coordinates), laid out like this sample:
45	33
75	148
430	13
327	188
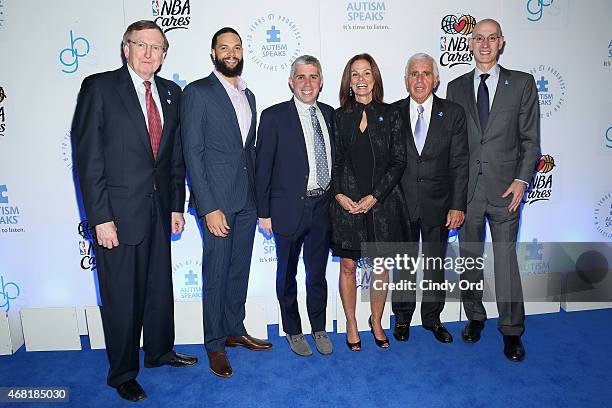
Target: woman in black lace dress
369	205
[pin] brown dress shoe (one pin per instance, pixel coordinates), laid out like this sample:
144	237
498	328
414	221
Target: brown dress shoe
219	364
249	342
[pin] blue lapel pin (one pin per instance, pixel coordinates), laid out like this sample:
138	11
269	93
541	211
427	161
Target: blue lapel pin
169	94
440	114
506	82
380	119
169	102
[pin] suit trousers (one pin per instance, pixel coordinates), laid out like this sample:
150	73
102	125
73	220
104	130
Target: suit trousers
508	290
313	232
225	277
435	239
135	283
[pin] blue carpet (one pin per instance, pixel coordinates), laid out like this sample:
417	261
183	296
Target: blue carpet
568	364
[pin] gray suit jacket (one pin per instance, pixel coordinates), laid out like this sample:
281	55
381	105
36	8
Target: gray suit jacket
221	170
509	147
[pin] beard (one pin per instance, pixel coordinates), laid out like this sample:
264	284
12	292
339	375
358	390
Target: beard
227	71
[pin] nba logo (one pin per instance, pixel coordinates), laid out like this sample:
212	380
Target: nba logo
155	7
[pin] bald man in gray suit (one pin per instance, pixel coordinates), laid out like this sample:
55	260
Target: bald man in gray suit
503	120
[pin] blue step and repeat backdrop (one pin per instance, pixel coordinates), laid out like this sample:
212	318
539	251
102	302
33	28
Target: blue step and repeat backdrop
46	257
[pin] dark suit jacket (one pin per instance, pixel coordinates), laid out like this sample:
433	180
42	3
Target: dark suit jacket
436	180
115	162
282	165
509	147
221	170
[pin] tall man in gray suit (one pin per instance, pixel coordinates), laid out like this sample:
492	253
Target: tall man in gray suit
503	134
219	148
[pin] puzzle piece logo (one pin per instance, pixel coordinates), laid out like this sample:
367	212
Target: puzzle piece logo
273	34
273	42
177	80
191	279
542	84
551	87
534	251
3	196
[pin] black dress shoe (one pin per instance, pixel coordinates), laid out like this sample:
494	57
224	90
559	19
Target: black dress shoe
177	360
131	391
471	331
440	333
401	331
514	349
182	360
383	344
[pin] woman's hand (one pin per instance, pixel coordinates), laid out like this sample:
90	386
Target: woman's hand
346	203
364	205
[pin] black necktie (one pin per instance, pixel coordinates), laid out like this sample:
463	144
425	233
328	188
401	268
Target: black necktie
482	101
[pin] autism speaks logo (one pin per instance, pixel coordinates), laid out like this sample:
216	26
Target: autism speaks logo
541	186
268	249
603	216
172	15
551	89
66	146
366	15
9	214
2	114
533	258
187	280
274	42
454	40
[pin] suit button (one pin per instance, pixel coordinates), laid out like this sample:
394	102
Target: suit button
244	168
482	142
301	198
477	161
419	161
419	180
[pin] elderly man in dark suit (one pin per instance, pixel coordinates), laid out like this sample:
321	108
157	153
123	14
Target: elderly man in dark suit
435	187
219	118
294	158
503	123
132	178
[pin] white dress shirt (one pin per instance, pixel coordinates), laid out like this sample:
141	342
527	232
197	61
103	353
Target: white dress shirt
491	82
308	130
414	114
141	91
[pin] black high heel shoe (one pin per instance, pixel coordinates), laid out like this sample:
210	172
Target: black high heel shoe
383	344
353	346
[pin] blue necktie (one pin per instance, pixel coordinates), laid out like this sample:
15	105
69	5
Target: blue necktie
322	169
420	130
482	102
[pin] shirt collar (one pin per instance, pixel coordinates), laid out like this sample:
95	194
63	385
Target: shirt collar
241	84
494	72
304	107
139	82
427	104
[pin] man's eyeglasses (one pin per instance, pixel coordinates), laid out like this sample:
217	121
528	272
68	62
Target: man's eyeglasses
480	38
142	46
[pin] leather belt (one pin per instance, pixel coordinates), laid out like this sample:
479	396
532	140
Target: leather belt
317	192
